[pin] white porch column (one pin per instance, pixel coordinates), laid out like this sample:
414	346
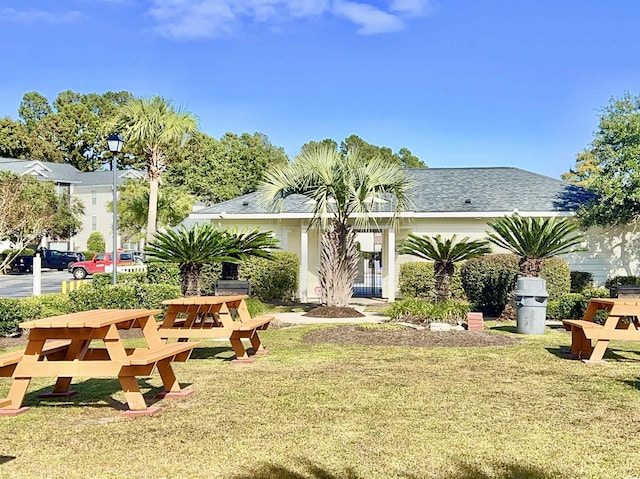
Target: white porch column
391	264
304	261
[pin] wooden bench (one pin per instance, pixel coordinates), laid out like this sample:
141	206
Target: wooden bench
210	317
10	360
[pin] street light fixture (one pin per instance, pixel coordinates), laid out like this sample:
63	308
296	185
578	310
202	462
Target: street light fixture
115	146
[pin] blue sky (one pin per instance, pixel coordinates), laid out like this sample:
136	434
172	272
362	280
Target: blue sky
458	82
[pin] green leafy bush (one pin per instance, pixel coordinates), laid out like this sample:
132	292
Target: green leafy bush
417	281
104	279
255	307
271	280
88	255
426	311
163	273
208	277
489	280
581	280
14	311
556	272
123	296
574	305
622	280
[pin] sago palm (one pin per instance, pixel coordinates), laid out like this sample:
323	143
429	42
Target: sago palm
154	126
344	192
444	254
203	244
535	239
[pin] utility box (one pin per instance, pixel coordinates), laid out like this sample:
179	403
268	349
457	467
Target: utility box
531	305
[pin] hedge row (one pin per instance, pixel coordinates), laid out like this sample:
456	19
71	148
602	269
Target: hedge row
487	281
574	305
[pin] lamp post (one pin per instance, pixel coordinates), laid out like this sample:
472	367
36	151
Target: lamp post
115	146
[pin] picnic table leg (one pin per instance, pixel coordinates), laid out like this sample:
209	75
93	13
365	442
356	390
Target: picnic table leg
256	344
598	351
132	393
241	352
580	346
169	380
15	398
76	349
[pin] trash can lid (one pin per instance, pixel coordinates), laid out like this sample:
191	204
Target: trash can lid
531	287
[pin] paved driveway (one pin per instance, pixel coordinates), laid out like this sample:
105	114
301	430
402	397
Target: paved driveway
20	285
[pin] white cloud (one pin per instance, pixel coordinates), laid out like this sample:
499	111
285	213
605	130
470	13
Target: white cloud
188	19
371	19
39	16
413	8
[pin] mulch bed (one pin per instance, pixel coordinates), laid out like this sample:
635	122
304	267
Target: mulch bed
333	312
350	335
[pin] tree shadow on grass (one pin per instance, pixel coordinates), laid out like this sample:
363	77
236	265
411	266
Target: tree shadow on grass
464	471
224	353
505	328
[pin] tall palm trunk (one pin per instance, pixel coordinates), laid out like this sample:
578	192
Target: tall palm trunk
154	171
190	273
338	264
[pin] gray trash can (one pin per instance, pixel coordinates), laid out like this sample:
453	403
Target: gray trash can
531	305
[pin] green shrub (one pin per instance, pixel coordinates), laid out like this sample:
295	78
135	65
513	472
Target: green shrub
11	314
163	273
14	311
417	281
255	306
272	280
104	279
556	272
489	280
123	296
208	277
574	305
622	280
96	242
580	280
427	311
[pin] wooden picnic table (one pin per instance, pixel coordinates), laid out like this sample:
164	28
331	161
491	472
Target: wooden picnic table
215	317
60	347
584	331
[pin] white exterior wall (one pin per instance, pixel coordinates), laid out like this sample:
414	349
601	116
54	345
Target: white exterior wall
104	195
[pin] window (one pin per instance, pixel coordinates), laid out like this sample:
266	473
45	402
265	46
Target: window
94	223
94	197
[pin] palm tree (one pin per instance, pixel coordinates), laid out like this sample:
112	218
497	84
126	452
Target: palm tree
344	192
445	254
154	126
535	239
202	244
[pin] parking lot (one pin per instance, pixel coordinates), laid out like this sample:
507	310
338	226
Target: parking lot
20	285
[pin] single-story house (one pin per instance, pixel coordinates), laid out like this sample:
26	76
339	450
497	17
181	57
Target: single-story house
446	201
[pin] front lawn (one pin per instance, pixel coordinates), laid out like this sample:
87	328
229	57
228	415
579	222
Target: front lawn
326	411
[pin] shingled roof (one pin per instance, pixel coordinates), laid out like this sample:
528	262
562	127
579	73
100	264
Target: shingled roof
451	190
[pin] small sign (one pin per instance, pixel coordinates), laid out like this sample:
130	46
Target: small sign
318	290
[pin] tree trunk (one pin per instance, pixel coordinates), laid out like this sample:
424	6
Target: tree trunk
442	280
531	267
190	274
153	172
338	264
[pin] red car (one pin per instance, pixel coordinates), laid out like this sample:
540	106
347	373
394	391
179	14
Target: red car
98	264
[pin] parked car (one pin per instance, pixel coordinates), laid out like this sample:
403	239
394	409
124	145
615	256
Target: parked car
50	258
98	264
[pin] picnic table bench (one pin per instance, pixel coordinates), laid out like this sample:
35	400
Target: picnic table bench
60	347
212	317
585	332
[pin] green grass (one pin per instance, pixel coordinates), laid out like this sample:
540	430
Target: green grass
329	412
